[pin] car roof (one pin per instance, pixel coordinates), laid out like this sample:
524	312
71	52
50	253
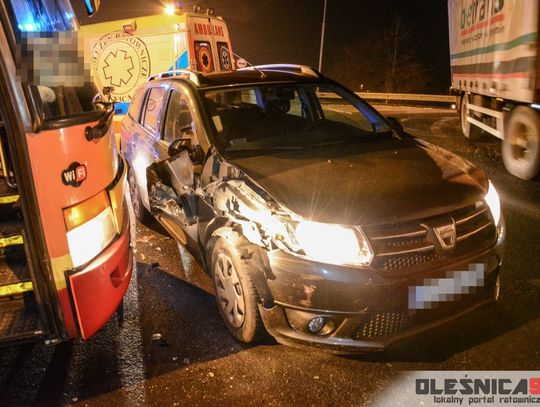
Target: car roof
265	74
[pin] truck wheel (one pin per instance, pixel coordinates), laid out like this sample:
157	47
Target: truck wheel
521	145
141	213
469	130
236	295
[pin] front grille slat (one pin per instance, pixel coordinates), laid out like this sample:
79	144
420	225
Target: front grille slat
413	232
424	247
474	231
408	247
464	219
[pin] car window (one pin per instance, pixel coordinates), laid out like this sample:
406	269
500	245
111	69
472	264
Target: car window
178	120
135	106
334	109
154	102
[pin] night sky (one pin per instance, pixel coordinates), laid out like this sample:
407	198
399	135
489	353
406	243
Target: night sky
273	31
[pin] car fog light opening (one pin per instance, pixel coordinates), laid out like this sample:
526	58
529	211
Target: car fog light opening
320	325
316	324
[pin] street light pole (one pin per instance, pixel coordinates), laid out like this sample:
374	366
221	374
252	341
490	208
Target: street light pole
322	36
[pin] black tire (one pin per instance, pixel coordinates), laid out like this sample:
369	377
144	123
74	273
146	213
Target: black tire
236	295
469	130
521	144
141	213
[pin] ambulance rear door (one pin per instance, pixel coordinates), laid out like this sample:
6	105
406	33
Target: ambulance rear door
211	44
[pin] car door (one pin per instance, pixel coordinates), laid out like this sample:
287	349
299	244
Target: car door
172	178
142	146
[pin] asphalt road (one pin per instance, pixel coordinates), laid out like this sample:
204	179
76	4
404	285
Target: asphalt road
196	362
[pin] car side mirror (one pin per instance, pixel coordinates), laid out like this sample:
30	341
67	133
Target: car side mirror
179	145
395	122
196	153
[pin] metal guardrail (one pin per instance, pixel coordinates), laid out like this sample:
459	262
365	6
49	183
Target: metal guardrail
411	97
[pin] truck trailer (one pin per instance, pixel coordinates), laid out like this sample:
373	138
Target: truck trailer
494	63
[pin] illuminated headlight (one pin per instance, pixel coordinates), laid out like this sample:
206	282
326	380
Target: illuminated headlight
334	244
493	201
90	228
170	9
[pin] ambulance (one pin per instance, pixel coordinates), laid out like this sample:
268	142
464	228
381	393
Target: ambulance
122	54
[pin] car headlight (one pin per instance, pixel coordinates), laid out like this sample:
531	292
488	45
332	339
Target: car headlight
494	202
329	243
90	228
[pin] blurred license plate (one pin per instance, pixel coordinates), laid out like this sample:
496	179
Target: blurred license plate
456	283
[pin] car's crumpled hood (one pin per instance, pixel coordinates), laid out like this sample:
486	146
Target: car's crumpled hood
367	183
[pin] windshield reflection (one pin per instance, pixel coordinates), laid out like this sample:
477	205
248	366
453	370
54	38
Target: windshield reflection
290	117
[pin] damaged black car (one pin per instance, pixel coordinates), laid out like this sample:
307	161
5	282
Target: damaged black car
319	220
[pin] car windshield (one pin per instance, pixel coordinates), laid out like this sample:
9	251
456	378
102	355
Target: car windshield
290	116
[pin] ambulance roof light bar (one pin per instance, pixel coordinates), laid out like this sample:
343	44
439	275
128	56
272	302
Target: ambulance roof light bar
304	69
192	76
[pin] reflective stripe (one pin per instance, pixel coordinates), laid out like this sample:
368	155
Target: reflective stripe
14	289
524	39
9	199
11	240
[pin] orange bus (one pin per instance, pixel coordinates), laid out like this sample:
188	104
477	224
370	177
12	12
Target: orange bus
65	255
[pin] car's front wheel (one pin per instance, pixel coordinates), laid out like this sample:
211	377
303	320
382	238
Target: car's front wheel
236	295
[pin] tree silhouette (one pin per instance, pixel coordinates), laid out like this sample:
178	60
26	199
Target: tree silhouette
384	61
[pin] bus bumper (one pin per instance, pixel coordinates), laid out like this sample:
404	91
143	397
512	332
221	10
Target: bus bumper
98	289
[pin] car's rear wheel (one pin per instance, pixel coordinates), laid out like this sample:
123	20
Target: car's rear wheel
141	213
236	295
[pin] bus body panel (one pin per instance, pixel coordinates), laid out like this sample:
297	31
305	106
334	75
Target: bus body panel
52	153
69	170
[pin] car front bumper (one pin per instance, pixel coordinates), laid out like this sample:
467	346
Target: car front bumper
365	310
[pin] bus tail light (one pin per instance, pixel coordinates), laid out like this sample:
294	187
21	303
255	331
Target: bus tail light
90	228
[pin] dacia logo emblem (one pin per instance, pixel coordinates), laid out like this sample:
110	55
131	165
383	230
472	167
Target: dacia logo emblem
446	236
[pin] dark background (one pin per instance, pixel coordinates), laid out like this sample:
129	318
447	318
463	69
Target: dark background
358	41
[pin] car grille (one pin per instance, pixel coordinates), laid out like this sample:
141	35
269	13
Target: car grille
407	247
383	324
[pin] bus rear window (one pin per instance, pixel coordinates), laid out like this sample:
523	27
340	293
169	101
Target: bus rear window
44	15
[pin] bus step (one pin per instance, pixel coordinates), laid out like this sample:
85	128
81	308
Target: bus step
10	232
5	189
11	240
13	272
19	321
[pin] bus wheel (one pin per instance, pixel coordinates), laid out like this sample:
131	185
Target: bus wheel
141	213
469	130
521	145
